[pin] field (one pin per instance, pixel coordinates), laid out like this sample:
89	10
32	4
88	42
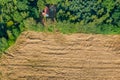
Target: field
57	56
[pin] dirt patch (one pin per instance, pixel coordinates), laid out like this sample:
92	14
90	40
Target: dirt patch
56	56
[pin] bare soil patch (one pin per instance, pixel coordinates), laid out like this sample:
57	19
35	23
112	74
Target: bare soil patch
55	56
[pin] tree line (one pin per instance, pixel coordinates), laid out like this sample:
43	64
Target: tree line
90	11
17	15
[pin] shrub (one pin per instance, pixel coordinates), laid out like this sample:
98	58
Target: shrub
3	44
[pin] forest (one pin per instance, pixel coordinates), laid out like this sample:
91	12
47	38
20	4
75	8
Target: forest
73	16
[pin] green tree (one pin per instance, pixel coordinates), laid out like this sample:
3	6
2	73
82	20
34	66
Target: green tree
80	10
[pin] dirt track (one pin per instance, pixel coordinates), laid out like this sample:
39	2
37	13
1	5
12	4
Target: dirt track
48	56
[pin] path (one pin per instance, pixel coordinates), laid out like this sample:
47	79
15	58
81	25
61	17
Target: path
48	56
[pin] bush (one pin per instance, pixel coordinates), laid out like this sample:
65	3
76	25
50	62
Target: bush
3	44
108	29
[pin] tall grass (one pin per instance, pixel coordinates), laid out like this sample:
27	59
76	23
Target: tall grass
68	28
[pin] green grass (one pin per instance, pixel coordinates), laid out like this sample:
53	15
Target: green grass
69	28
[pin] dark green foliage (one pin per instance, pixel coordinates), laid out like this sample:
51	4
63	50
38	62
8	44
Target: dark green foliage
3	44
12	14
79	10
22	5
86	16
17	17
115	15
89	11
